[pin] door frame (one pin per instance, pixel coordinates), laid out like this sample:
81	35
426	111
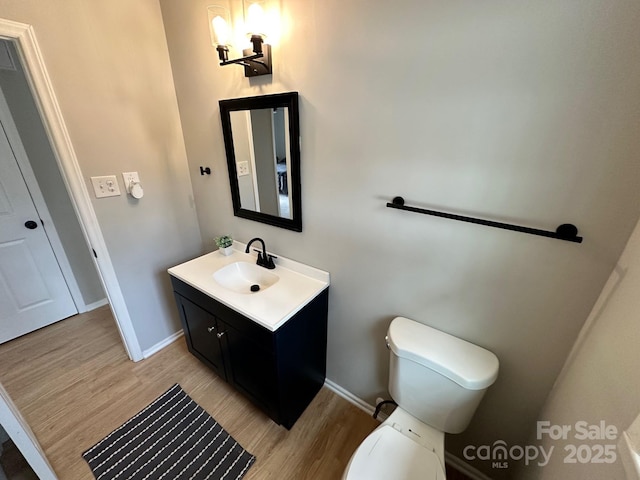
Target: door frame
23	438
45	99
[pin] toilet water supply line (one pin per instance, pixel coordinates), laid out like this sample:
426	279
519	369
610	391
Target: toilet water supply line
380	405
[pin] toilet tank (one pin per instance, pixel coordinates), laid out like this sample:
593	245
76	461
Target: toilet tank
436	377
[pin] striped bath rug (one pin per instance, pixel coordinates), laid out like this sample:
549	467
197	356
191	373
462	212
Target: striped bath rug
173	439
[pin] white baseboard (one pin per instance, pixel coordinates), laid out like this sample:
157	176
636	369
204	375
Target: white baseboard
92	306
160	345
464	467
350	397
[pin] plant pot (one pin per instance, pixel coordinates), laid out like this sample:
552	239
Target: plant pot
226	251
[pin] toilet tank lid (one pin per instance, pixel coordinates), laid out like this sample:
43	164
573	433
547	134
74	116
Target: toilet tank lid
469	365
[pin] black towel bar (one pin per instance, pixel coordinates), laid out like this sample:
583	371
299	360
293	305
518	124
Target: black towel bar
567	231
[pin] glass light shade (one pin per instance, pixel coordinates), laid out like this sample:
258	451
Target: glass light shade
219	28
255	20
221	33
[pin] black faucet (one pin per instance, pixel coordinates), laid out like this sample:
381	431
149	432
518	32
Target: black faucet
264	259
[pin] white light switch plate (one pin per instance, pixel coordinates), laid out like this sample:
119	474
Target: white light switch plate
106	186
243	169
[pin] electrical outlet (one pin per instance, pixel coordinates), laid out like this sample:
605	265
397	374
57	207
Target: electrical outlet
129	178
243	169
105	186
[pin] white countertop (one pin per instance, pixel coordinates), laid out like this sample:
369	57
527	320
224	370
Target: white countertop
298	284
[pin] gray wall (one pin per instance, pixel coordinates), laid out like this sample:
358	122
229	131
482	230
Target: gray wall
516	111
109	67
43	162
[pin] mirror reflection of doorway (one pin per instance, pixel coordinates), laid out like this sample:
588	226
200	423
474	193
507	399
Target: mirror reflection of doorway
261	139
281	140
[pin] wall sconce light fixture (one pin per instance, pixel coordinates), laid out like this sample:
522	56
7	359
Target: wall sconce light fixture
256	60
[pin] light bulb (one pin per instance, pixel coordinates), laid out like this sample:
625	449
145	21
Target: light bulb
255	20
220	30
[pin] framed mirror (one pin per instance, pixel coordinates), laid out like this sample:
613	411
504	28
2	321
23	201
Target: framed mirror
262	142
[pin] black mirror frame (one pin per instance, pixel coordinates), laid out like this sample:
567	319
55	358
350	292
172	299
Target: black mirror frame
289	100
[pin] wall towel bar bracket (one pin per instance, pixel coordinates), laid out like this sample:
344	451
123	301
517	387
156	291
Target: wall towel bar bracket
567	231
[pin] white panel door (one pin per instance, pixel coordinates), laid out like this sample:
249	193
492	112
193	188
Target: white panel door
33	292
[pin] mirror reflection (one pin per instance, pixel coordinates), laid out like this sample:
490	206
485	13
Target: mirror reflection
261	145
261	137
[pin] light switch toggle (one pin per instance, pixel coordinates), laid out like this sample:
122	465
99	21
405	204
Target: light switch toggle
132	184
105	186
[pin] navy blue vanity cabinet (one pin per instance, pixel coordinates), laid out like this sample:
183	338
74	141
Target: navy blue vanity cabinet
280	372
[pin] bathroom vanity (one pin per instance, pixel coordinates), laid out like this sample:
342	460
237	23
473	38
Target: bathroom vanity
270	344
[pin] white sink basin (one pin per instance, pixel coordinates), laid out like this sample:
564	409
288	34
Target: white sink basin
228	279
245	277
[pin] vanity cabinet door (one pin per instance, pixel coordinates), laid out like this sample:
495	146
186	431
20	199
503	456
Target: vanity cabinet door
201	329
251	368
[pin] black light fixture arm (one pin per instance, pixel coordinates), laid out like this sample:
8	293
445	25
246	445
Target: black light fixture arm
243	60
567	231
248	60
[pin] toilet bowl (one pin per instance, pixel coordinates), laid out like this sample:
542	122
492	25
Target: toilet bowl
437	380
402	447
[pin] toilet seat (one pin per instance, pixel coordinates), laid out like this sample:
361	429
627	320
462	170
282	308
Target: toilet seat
388	454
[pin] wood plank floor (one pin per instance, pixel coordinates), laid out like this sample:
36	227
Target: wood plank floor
73	383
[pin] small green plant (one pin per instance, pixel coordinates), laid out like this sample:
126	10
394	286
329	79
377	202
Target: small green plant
224	241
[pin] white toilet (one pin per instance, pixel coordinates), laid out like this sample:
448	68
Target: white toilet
437	380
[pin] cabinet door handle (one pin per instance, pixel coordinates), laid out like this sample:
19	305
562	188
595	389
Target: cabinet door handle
211	329
220	335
